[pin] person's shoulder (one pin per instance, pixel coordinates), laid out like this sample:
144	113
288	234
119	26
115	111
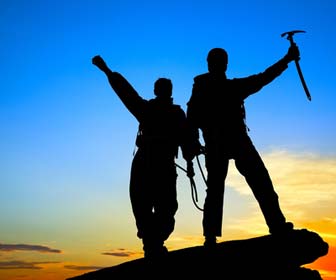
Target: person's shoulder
201	77
177	109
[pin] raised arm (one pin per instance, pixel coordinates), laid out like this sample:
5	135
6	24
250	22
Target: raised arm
254	83
128	95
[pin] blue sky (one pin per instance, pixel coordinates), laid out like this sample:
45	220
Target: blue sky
66	141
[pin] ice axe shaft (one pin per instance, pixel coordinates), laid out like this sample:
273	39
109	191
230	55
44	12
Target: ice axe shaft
290	35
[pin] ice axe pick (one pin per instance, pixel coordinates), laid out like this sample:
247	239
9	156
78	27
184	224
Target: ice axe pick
290	35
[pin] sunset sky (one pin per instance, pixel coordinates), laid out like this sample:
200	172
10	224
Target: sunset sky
67	141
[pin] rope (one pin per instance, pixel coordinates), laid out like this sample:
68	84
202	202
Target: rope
200	168
194	195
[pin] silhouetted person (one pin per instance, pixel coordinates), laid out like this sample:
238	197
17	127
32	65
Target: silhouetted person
162	130
216	107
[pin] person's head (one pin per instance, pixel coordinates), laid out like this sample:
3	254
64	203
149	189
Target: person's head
217	60
163	88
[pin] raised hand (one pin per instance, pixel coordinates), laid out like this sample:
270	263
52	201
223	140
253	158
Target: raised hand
293	53
99	62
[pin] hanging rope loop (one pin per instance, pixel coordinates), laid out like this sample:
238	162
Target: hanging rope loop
190	174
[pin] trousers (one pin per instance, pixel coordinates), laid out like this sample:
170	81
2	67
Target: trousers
249	164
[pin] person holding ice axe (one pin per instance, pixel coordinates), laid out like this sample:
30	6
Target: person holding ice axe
216	107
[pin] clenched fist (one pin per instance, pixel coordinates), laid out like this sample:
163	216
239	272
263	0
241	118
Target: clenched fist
99	62
293	53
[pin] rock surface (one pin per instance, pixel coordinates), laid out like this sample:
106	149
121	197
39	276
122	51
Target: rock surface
264	257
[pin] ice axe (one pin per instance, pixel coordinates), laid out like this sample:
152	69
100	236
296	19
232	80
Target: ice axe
290	35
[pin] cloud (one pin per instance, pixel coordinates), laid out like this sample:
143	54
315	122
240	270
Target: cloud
120	253
22	265
294	170
82	267
305	183
27	247
302	179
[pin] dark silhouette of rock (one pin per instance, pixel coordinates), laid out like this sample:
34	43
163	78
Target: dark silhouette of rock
265	257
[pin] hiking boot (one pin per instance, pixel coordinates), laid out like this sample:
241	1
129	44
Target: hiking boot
284	229
155	253
210	242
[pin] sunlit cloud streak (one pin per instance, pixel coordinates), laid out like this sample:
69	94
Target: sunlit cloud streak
22	264
82	267
120	253
28	247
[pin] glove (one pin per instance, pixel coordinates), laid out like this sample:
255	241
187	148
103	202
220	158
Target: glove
293	53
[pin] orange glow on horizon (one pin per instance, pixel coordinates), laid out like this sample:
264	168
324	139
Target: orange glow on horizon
326	265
